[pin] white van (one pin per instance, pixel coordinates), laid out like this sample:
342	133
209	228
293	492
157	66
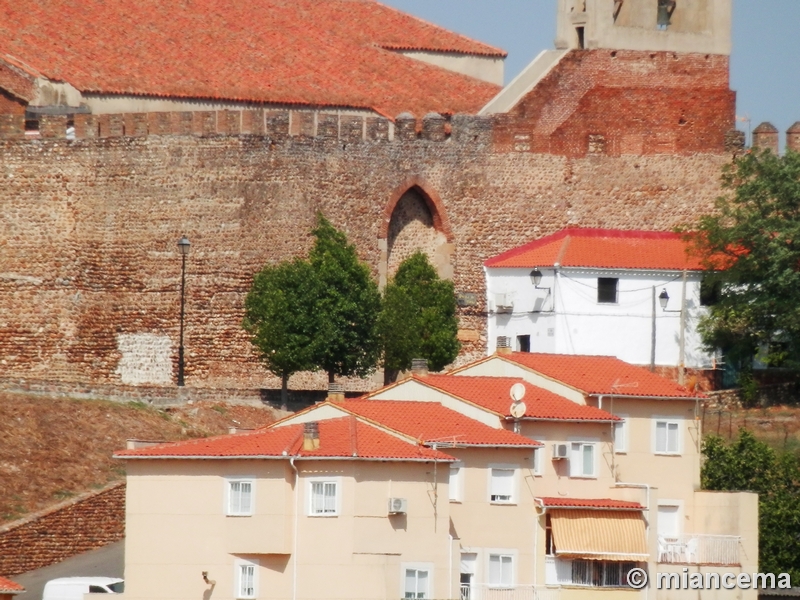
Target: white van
73	588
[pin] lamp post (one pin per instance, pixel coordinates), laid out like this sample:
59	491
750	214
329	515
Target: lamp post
183	247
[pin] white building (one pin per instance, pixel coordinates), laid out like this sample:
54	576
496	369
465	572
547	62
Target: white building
600	292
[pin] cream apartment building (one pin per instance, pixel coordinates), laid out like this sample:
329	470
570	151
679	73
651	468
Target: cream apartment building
517	477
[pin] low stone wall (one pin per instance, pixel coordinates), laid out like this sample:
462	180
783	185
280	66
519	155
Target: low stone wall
83	523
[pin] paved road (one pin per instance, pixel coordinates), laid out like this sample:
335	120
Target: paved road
108	561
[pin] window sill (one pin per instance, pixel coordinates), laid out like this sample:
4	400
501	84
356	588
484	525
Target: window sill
495	503
583	476
235	515
667	453
455	501
323	516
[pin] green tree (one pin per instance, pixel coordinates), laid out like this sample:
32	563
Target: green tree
418	318
748	464
281	318
751	247
347	306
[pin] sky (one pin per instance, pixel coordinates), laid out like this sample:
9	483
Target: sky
765	64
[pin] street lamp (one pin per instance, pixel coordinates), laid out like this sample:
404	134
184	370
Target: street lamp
183	248
536	277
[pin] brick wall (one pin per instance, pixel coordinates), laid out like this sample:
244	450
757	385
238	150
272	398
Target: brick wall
84	523
89	269
627	102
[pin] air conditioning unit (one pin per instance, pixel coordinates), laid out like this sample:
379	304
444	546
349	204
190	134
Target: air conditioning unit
503	303
398	506
560	451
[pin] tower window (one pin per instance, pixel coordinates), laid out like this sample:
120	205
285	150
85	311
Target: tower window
581	41
665	10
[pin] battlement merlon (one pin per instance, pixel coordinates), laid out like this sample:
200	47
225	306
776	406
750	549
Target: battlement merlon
276	125
696	26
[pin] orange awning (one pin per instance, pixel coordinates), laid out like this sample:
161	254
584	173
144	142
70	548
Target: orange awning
599	534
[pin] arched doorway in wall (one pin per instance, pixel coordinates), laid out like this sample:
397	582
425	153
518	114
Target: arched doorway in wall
414	220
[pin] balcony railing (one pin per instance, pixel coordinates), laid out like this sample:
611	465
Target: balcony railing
514	592
699	549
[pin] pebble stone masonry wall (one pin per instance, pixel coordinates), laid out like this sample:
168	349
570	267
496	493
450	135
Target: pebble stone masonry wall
89	270
84	523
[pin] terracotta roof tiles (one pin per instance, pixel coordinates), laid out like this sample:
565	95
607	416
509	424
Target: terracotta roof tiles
492	393
596	375
298	52
339	438
9	587
431	422
602	249
602	503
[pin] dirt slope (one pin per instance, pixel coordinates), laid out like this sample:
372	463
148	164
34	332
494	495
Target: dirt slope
53	448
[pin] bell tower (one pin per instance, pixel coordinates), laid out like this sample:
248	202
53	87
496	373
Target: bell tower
683	26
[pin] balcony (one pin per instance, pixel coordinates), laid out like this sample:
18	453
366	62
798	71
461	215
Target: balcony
699	549
513	592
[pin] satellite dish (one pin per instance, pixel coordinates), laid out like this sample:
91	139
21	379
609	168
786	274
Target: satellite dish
517	392
518	410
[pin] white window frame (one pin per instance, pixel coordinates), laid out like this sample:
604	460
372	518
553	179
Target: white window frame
337	482
239	566
514	482
416	566
621	446
456	481
501	553
576	462
235	511
679	515
539	455
679	436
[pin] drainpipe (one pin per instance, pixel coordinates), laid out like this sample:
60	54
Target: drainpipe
539	515
296	516
450	567
682	348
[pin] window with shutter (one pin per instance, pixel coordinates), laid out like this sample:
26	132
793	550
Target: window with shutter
502	486
324	499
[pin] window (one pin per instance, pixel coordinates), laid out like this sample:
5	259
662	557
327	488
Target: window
596	573
455	487
710	292
669	522
416	583
549	542
524	343
323	499
621	435
607	290
501	486
582	460
246	579
539	455
501	570
667	437
240	497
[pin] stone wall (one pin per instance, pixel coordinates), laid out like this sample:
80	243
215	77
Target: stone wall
89	269
81	524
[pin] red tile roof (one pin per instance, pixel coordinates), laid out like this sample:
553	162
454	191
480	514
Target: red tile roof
431	422
596	375
602	503
602	249
339	438
304	52
9	587
492	393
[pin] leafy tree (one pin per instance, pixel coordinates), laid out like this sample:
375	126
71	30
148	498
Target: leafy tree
751	246
750	465
347	306
418	318
281	317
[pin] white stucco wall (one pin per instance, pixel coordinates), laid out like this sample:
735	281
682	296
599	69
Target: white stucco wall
564	316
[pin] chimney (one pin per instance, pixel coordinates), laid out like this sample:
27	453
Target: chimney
503	344
765	136
793	137
419	367
335	392
311	436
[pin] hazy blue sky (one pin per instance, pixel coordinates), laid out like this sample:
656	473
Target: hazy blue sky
765	66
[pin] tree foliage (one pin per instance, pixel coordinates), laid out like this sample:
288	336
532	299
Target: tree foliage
347	306
281	318
418	318
751	246
747	464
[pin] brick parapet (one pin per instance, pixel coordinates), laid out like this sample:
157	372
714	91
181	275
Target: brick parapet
276	125
83	523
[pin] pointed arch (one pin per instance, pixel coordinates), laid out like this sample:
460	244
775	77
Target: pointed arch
432	199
